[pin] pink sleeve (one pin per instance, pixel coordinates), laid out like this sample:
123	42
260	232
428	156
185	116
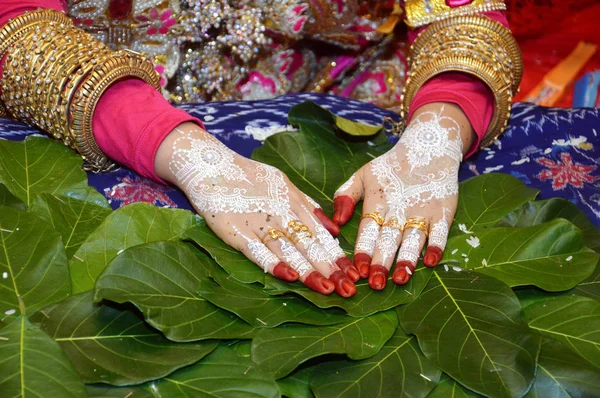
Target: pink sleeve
127	131
471	94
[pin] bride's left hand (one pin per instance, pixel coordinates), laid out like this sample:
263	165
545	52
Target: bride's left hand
410	196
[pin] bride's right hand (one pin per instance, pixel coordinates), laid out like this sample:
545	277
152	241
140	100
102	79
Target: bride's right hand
254	208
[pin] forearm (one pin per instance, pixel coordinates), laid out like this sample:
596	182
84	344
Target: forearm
131	118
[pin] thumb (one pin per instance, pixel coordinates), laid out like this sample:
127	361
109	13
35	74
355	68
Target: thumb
346	197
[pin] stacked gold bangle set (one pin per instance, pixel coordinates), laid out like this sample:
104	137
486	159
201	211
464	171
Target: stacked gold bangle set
419	223
55	74
472	44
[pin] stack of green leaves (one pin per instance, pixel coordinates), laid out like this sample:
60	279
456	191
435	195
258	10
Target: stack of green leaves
146	301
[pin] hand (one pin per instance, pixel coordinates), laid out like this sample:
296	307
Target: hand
254	208
414	184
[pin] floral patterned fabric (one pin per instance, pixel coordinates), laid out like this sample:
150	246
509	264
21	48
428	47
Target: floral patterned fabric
553	150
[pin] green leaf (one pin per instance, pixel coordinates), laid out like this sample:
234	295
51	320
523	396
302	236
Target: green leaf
551	256
233	261
106	391
161	280
471	326
115	346
315	160
589	287
280	350
256	307
297	385
398	370
356	129
9	200
38	165
33	264
222	374
126	227
561	374
447	387
572	320
539	212
32	364
366	301
484	200
74	219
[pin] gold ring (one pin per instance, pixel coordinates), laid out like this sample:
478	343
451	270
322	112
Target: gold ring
393	223
298	231
375	216
272	234
419	223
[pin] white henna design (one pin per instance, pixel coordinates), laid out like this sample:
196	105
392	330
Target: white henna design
294	258
264	257
368	238
329	243
345	186
409	250
439	232
388	243
428	140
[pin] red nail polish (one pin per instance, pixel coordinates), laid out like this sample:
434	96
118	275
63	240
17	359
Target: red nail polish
378	277
332	227
344	207
401	274
432	257
285	272
319	283
343	286
362	261
346	265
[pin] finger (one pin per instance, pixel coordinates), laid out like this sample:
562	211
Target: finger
329	243
438	237
408	256
315	253
386	247
259	254
310	277
366	240
345	199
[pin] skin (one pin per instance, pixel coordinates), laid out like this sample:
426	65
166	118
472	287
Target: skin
238	229
377	267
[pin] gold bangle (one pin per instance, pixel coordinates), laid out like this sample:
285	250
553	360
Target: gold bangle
475	45
117	66
420	13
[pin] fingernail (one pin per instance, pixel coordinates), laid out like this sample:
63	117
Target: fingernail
329	225
403	272
319	283
378	277
362	261
343	209
285	272
343	286
433	255
346	265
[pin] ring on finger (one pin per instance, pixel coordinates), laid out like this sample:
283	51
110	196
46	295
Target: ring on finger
272	234
392	223
375	216
419	223
298	231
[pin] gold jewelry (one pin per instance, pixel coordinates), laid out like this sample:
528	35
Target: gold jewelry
475	45
272	234
376	216
420	13
298	231
55	74
419	223
393	223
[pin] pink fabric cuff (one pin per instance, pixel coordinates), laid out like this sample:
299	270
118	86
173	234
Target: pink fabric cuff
131	120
